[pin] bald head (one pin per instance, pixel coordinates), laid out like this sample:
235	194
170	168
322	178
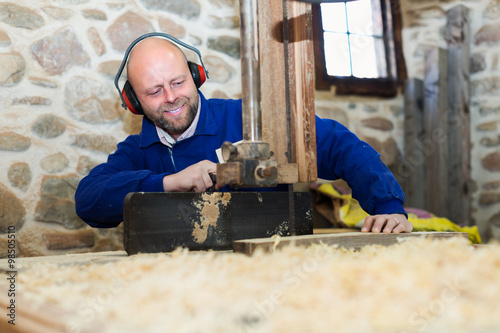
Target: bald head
148	53
159	74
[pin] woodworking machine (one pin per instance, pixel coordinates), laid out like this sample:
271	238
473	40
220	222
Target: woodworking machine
278	147
253	161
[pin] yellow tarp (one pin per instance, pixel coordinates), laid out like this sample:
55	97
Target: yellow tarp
353	215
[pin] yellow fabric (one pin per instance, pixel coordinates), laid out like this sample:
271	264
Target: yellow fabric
353	215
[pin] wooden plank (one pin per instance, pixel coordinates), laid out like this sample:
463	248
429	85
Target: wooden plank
65	259
350	240
162	222
48	318
301	88
320	231
272	78
413	167
436	131
29	318
457	35
295	72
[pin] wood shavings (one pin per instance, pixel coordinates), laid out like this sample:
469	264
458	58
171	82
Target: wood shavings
419	285
209	212
281	230
277	240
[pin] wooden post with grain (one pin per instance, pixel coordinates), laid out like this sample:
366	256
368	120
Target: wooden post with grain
436	131
414	164
287	83
457	35
437	144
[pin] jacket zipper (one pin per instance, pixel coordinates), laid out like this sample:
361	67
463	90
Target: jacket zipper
170	150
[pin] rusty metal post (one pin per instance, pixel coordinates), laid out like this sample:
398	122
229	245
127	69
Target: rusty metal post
250	71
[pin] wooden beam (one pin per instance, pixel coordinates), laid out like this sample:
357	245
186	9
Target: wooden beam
436	131
301	88
413	167
288	74
272	78
31	318
350	240
64	259
161	222
318	231
457	35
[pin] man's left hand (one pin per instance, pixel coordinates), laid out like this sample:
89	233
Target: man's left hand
390	223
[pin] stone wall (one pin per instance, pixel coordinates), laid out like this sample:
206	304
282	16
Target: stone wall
62	115
380	122
485	116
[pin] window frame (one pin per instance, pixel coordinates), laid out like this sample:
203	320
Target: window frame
396	67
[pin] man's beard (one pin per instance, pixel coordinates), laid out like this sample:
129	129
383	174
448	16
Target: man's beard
174	127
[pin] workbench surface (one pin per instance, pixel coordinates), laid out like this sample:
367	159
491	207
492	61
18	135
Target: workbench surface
420	284
65	259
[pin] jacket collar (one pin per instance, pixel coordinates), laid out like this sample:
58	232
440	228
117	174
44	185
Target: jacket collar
206	125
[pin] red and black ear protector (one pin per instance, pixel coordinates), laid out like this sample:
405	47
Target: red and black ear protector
128	96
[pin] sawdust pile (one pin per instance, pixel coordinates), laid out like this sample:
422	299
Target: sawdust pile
419	285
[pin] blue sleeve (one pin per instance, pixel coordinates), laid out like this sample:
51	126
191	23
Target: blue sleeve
341	154
99	196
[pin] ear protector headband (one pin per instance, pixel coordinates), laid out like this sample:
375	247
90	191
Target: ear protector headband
128	96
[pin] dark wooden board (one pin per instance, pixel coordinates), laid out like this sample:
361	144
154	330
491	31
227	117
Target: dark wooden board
458	37
436	131
413	169
350	240
162	222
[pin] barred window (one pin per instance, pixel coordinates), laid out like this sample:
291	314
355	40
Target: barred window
358	47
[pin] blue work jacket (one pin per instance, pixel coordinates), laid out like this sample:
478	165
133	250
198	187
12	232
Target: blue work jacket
141	161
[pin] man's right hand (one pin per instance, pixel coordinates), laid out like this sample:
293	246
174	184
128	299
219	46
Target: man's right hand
194	178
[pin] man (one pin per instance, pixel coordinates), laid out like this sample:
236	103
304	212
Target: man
175	151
